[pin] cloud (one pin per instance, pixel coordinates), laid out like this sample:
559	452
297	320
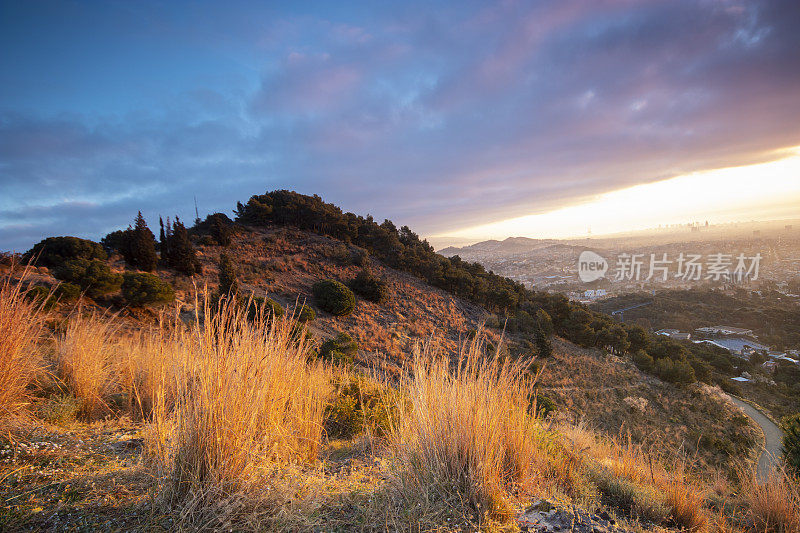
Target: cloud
440	120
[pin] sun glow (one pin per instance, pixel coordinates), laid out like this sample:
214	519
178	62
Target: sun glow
752	192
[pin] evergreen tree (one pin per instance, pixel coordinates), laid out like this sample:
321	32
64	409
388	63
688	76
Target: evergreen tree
162	239
181	252
142	245
227	276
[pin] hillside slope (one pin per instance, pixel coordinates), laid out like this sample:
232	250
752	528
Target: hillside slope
608	392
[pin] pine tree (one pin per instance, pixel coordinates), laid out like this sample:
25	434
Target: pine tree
227	276
181	253
162	239
140	249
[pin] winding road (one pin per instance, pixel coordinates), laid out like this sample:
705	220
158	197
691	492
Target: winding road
770	456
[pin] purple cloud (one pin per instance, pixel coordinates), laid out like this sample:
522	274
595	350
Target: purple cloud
438	119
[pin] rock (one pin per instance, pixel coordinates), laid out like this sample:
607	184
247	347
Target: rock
544	517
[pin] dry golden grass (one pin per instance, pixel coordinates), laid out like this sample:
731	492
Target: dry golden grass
773	505
469	436
246	402
631	479
86	355
20	326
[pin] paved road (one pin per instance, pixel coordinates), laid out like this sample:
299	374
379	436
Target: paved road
770	456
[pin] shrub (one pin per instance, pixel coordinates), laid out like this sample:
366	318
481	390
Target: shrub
54	251
544	405
791	442
361	257
67	292
370	287
360	404
643	361
674	371
227	276
544	348
39	294
139	288
60	409
94	277
339	350
334	297
306	314
257	306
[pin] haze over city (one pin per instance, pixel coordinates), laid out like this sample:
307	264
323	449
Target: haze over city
467	121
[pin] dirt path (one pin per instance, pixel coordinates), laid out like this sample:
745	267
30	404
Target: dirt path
770	456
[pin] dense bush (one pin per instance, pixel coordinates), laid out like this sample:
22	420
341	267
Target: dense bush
370	287
227	276
334	297
544	405
94	277
140	288
67	292
360	404
339	350
643	361
674	371
257	304
791	442
305	314
55	251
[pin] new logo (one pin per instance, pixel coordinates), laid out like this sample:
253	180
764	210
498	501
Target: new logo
591	266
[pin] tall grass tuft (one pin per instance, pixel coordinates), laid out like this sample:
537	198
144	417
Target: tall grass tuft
469	436
245	399
21	321
86	356
773	504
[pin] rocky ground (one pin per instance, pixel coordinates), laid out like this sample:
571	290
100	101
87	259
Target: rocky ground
545	517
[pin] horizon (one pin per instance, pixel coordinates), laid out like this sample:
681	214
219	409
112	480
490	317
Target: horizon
465	123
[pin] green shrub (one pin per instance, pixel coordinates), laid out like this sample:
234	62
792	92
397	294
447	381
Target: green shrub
334	297
339	350
37	293
228	283
305	314
791	442
270	307
140	288
55	251
643	361
544	405
94	277
360	404
674	371
60	409
67	292
370	287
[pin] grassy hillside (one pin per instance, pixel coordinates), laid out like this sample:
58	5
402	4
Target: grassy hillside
215	410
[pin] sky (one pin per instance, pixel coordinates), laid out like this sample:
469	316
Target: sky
464	120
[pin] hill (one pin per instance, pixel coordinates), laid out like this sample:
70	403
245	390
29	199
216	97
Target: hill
346	444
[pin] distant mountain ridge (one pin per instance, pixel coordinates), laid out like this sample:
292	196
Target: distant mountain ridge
509	245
